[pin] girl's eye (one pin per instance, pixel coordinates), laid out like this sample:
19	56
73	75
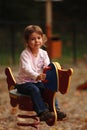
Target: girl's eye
36	38
32	39
39	37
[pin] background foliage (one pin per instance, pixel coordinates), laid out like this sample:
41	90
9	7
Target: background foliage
69	23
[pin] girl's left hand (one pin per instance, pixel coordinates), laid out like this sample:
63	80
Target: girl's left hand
41	77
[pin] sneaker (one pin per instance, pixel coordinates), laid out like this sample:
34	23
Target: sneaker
60	115
47	116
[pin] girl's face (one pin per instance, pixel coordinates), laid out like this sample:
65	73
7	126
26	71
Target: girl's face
35	41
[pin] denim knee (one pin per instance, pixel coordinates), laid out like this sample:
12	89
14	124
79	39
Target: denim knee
34	89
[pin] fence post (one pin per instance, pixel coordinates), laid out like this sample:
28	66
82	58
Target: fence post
74	43
13	44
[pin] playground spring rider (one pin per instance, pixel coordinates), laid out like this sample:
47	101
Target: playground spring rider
57	79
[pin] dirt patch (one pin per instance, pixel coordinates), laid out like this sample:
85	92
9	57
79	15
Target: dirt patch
74	103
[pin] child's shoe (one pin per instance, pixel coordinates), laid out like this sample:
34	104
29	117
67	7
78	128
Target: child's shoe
60	115
47	116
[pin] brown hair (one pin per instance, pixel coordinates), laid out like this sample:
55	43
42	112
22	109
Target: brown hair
30	29
34	28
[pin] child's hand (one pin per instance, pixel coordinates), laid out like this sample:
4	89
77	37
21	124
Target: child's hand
41	77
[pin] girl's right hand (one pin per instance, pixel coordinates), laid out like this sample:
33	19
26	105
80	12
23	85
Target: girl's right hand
41	77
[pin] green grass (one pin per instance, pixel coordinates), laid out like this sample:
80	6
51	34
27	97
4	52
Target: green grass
7	59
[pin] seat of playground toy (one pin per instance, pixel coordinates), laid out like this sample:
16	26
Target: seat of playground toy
15	92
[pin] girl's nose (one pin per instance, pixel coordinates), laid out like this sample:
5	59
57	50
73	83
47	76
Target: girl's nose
36	40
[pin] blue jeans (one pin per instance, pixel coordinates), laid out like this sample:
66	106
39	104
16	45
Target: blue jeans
35	90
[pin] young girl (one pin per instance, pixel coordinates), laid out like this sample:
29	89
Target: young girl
29	81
